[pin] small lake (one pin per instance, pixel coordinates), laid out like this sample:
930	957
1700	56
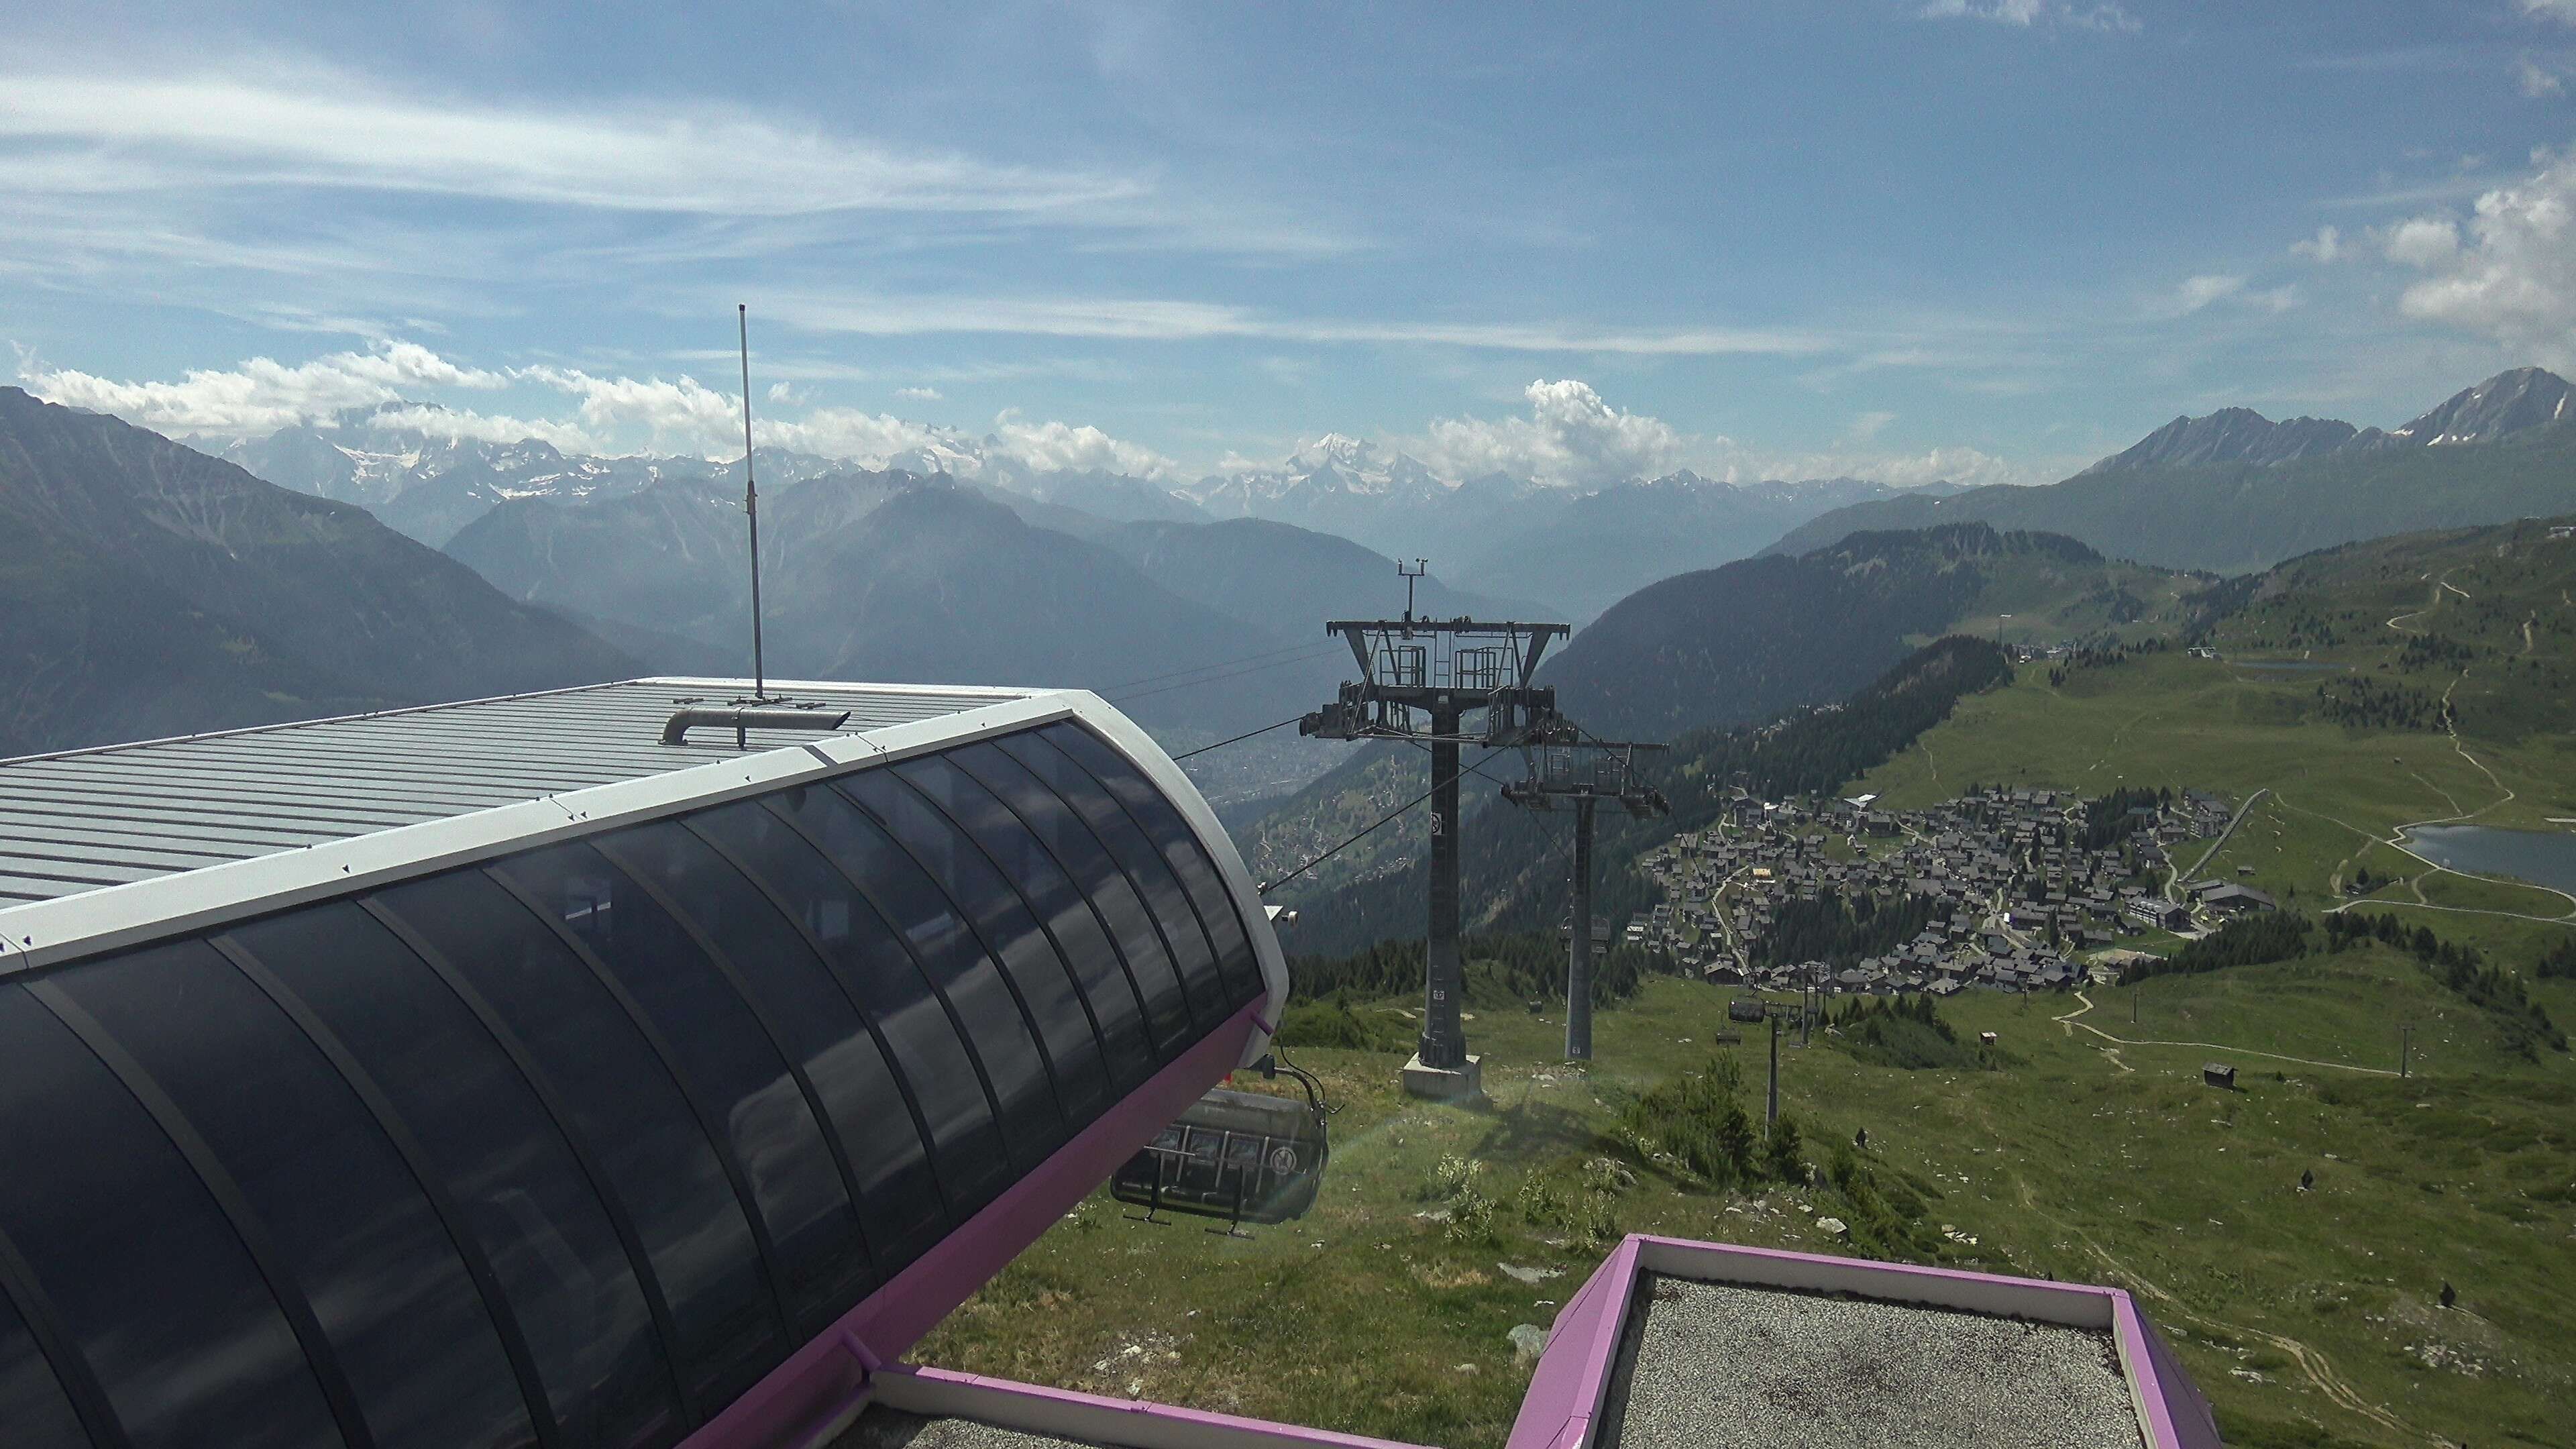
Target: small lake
2543	857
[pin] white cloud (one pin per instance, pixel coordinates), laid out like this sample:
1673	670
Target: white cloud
1053	447
1901	470
1153	319
2198	292
459	425
1570	437
2103	15
78	132
2538	79
609	414
2325	246
2511	276
2551	9
683	416
2425	241
1868	426
260	395
920	394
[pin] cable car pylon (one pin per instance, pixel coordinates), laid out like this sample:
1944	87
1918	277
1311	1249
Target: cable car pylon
1583	774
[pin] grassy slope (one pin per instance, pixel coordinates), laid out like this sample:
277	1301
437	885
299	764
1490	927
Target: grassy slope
2305	1316
2309	1319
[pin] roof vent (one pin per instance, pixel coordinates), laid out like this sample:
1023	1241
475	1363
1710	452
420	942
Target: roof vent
675	730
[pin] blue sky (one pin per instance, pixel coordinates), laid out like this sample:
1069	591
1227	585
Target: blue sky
1984	239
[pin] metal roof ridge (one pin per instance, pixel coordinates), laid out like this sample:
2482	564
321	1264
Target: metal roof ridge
297	724
173	902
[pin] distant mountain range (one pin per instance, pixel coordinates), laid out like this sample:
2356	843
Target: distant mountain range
2234	491
1747	640
1583	549
148	589
888	575
1569	552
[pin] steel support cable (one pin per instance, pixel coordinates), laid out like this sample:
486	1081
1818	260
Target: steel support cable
1220	664
1364	834
1221	678
1239	739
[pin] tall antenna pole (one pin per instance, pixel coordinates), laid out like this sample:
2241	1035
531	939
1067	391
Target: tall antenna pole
751	507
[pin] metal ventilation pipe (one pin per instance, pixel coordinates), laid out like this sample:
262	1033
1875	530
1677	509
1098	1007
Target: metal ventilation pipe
675	730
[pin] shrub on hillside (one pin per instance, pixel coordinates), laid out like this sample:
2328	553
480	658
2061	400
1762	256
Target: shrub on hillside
1697	1122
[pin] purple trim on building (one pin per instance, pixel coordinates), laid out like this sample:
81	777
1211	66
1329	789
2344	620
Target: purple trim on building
2178	1412
1582	1345
826	1379
1567	1390
1065	1412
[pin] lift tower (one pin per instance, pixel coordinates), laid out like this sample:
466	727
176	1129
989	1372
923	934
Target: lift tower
1584	775
1420	680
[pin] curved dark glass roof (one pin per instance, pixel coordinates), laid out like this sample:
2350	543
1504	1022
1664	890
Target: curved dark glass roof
572	1143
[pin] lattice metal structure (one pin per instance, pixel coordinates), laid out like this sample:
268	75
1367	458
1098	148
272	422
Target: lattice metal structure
1424	680
1581	776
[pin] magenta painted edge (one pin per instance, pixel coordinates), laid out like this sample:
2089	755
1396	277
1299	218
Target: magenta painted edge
1582	1345
1172	1412
1573	1373
1880	1265
827	1373
2180	1414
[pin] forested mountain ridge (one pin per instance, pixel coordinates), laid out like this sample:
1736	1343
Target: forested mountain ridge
149	589
1752	638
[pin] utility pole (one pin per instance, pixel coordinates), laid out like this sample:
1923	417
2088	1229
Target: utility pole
1578	932
1447	670
2405	1048
751	508
1585	774
1771	1113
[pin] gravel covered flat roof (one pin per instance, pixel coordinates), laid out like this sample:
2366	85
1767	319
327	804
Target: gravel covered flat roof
883	1428
1704	1365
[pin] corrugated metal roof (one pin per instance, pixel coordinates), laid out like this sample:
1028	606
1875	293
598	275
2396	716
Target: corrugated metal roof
87	819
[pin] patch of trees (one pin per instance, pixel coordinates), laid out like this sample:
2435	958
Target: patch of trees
2117	603
2463	971
1814	752
2437	651
2110	819
2371	704
2205	610
2103	656
1529	966
2245	941
1840	929
1697	1122
1903	1031
2558	962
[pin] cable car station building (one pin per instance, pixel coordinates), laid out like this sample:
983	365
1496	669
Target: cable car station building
641	1065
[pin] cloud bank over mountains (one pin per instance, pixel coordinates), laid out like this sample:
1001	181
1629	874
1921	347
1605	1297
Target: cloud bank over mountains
1567	436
